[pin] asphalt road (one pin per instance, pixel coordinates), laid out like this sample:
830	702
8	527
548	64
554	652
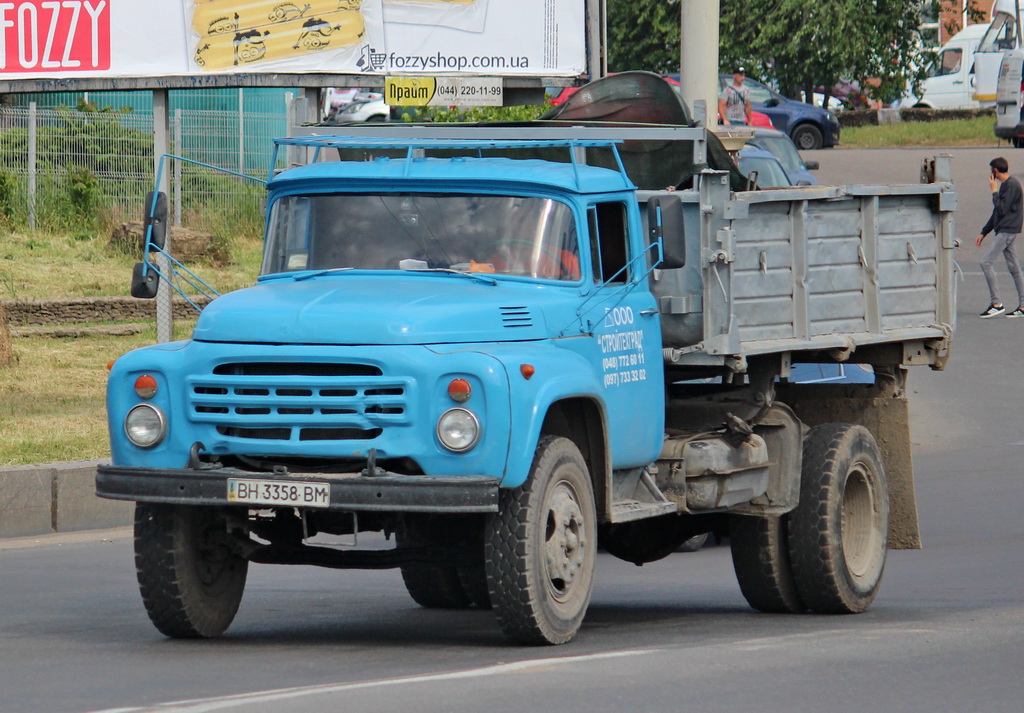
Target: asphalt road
946	633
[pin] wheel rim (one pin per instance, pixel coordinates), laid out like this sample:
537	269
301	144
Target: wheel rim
859	532
565	542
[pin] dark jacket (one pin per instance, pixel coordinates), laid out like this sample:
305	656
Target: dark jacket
1007	209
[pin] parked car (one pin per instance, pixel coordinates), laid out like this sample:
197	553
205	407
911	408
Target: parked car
810	127
777	143
342	106
762	168
831	372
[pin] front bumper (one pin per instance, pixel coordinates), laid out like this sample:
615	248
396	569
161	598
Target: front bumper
388	492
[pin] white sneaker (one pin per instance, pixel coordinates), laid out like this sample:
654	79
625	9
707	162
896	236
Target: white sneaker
992	311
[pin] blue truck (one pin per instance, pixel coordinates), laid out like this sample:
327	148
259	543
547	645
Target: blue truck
492	365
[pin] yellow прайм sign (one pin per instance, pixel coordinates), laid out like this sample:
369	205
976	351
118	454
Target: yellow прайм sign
443	91
409	91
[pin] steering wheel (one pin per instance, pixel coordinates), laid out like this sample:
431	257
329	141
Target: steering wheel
568	263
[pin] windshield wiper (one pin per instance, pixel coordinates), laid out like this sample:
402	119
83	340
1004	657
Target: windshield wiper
301	274
450	271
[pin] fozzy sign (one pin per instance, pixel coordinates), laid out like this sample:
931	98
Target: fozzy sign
199	39
55	36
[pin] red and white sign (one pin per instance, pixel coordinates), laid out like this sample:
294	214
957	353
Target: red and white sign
84	39
44	36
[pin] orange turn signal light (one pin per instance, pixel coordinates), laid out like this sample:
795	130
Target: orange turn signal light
459	390
527	370
145	386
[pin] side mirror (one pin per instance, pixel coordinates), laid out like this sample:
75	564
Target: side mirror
154	213
811	165
144	286
665	226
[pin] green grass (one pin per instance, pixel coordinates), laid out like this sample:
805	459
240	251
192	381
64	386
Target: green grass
965	132
52	397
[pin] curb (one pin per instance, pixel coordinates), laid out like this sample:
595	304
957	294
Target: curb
56	497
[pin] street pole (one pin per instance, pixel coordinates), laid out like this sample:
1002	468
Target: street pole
698	56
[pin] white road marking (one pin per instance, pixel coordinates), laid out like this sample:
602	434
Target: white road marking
204	705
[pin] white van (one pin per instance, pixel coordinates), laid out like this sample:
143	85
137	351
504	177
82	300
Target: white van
951	78
1009	123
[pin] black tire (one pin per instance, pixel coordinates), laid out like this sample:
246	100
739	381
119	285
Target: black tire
541	547
692	544
760	557
430	586
474	583
1017	141
807	137
191	582
839	533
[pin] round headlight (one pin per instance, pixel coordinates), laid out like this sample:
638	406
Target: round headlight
458	429
145	425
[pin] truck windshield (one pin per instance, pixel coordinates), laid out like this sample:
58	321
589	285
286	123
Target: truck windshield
509	235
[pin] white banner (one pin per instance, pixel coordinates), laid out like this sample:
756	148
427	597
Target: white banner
51	39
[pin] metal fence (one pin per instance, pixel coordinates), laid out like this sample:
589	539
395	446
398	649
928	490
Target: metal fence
49	158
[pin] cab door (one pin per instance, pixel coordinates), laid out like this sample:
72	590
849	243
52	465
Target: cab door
946	89
624	342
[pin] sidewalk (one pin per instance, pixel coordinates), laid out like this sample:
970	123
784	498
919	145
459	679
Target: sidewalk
56	497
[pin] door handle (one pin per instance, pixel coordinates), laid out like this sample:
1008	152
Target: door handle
648	312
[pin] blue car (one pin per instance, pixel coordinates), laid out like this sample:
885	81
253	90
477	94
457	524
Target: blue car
810	127
762	168
781	146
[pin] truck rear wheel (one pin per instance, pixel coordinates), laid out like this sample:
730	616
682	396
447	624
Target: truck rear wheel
191	582
435	586
760	556
839	532
429	585
541	548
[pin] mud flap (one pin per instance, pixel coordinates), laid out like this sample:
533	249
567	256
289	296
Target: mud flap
882	409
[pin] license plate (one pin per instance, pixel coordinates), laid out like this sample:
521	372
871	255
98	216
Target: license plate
277	492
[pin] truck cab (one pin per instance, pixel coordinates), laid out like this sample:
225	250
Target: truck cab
386	281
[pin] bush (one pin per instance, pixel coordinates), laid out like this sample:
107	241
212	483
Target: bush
869	117
9	196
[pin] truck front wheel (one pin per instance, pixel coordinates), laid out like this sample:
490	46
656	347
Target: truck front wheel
839	532
541	548
191	582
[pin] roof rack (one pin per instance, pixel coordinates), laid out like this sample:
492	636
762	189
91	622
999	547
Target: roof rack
415	147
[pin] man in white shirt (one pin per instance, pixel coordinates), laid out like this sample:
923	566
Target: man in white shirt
734	101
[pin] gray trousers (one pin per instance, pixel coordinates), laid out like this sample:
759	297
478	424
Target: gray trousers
1002	243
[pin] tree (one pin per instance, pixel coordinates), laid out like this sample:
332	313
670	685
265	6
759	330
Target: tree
794	44
801	44
643	34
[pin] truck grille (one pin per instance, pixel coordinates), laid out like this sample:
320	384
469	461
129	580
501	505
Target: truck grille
299	401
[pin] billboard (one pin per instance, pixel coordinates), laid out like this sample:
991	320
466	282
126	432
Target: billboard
167	38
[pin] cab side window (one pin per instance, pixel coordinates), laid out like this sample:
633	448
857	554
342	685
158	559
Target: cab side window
609	248
949	61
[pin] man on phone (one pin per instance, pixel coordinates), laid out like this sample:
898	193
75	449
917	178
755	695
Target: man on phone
1006	218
